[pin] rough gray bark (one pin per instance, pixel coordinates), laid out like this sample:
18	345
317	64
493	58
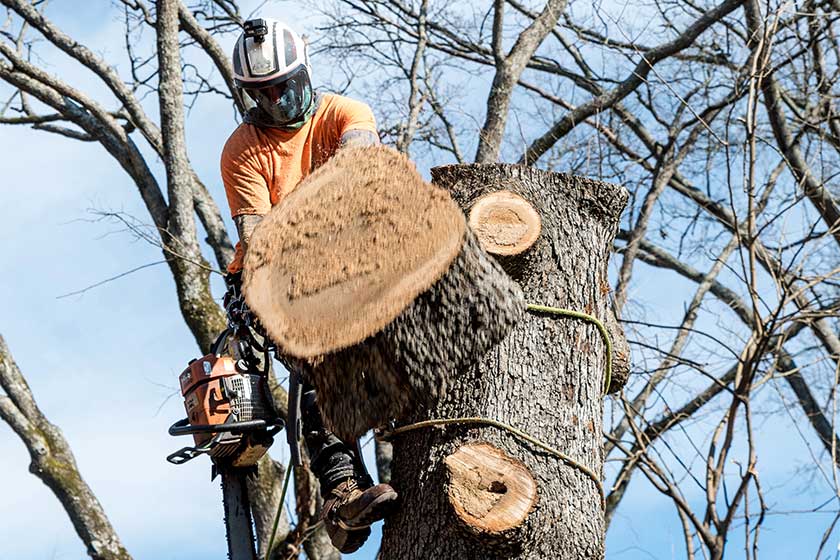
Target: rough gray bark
192	275
545	378
54	464
264	491
384	456
409	364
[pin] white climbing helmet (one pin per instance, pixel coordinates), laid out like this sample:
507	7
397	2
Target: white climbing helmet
270	65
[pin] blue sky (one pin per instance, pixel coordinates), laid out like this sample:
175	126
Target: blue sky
103	365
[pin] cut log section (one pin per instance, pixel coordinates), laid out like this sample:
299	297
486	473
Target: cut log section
368	280
489	491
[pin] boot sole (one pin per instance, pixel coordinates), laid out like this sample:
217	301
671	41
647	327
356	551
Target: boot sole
380	508
349	541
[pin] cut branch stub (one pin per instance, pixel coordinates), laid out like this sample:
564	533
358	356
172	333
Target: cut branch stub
368	280
505	223
490	492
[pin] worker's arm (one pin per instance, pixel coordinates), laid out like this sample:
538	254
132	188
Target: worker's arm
246	187
245	224
358	139
355	123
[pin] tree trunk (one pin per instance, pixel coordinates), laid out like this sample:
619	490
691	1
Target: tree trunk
545	378
183	252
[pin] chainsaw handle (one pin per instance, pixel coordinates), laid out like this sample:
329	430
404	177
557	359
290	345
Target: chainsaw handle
183	427
186	454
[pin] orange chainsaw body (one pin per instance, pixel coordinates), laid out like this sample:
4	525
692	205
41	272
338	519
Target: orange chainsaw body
230	412
204	398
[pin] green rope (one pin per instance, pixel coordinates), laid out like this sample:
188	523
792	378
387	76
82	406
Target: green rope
502	426
517	432
589	319
279	512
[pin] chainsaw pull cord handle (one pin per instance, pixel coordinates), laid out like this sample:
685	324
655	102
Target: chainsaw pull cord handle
294	425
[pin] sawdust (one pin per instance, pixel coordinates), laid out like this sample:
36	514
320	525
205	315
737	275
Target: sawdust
348	250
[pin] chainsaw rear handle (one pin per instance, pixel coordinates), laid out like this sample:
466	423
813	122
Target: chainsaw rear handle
183	427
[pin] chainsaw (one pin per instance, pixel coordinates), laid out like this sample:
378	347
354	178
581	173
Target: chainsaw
231	415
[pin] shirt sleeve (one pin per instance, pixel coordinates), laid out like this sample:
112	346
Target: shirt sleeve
355	115
245	186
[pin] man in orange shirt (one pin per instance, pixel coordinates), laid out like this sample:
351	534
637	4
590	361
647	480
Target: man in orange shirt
287	133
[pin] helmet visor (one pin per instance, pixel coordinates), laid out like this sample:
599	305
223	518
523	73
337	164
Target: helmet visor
287	101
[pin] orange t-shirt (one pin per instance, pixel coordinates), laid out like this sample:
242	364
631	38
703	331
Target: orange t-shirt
260	166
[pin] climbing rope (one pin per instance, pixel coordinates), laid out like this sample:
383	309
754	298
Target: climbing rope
387	435
279	512
560	312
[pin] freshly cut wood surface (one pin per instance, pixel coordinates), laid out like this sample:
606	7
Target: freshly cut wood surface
505	223
489	491
348	250
412	362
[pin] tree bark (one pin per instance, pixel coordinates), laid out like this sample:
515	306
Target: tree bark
545	377
180	238
264	492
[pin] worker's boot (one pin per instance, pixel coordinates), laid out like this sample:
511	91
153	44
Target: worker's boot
351	508
351	501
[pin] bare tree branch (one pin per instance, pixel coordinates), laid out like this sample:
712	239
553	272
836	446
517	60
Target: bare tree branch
54	464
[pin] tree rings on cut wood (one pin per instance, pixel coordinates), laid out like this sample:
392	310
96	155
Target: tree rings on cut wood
505	223
348	250
368	280
489	491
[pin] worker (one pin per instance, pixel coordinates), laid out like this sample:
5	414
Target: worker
289	130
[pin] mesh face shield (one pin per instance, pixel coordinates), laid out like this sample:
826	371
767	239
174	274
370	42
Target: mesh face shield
287	101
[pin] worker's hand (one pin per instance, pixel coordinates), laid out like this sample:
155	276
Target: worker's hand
234	301
359	139
233	281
